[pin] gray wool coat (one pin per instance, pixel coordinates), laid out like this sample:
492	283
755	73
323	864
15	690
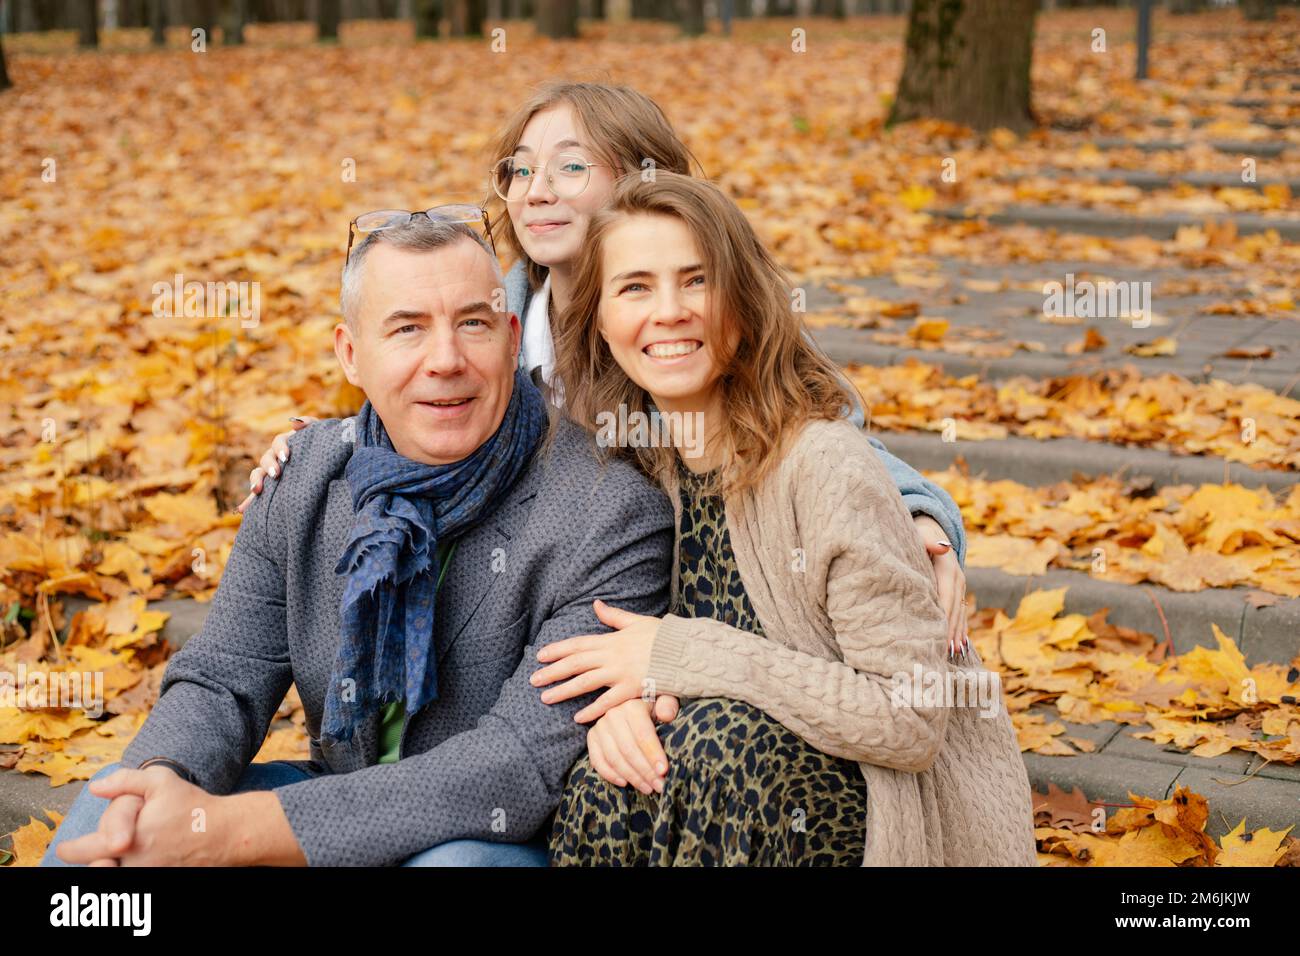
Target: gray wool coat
486	759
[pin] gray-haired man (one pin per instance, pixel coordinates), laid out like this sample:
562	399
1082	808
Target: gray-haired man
332	584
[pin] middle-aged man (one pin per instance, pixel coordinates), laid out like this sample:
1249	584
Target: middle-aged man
403	575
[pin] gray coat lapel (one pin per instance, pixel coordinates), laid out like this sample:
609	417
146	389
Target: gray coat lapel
477	564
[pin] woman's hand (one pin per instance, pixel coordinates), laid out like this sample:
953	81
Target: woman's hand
619	661
624	747
952	582
277	455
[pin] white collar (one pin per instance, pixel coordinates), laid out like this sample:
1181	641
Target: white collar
538	348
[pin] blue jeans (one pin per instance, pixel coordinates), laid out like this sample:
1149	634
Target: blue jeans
83	817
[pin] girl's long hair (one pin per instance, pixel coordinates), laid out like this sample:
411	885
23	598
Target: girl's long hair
627	129
773	382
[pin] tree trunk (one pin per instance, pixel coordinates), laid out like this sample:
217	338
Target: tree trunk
25	20
1259	9
829	8
692	17
203	16
5	82
130	14
968	61
557	19
233	25
158	22
87	21
427	14
327	19
467	17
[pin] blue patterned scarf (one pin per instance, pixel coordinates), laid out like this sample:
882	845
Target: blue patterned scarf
402	509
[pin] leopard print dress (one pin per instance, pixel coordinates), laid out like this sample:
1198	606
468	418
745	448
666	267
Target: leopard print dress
741	789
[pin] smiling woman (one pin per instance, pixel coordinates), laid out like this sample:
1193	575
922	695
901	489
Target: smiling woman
799	589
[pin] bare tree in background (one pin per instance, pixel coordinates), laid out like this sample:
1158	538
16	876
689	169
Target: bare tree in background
467	17
238	16
5	82
85	14
968	61
1259	9
557	19
327	19
692	13
158	22
427	14
203	16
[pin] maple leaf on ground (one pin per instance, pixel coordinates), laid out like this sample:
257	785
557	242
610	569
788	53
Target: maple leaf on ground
1262	847
32	840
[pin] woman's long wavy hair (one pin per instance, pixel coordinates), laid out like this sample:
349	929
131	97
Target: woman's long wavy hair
774	381
626	129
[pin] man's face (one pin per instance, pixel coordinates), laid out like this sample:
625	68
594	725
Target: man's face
434	359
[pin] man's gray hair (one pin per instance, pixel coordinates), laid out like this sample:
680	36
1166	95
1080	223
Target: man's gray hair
420	233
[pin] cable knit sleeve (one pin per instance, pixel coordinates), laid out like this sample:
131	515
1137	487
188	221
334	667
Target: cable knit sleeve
866	572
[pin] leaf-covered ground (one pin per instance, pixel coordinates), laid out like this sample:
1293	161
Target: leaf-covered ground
126	435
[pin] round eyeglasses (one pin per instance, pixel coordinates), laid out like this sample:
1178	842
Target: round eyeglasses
567	175
392	218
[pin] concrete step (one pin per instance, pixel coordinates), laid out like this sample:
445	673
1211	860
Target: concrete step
186	616
1240	147
1238	785
1095	222
1258	102
24	796
1196	122
1199	360
1149	180
1264	635
1003	322
1037	462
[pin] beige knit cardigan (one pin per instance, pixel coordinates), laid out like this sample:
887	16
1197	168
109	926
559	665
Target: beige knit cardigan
844	590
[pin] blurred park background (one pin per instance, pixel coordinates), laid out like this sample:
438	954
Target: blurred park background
1057	246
